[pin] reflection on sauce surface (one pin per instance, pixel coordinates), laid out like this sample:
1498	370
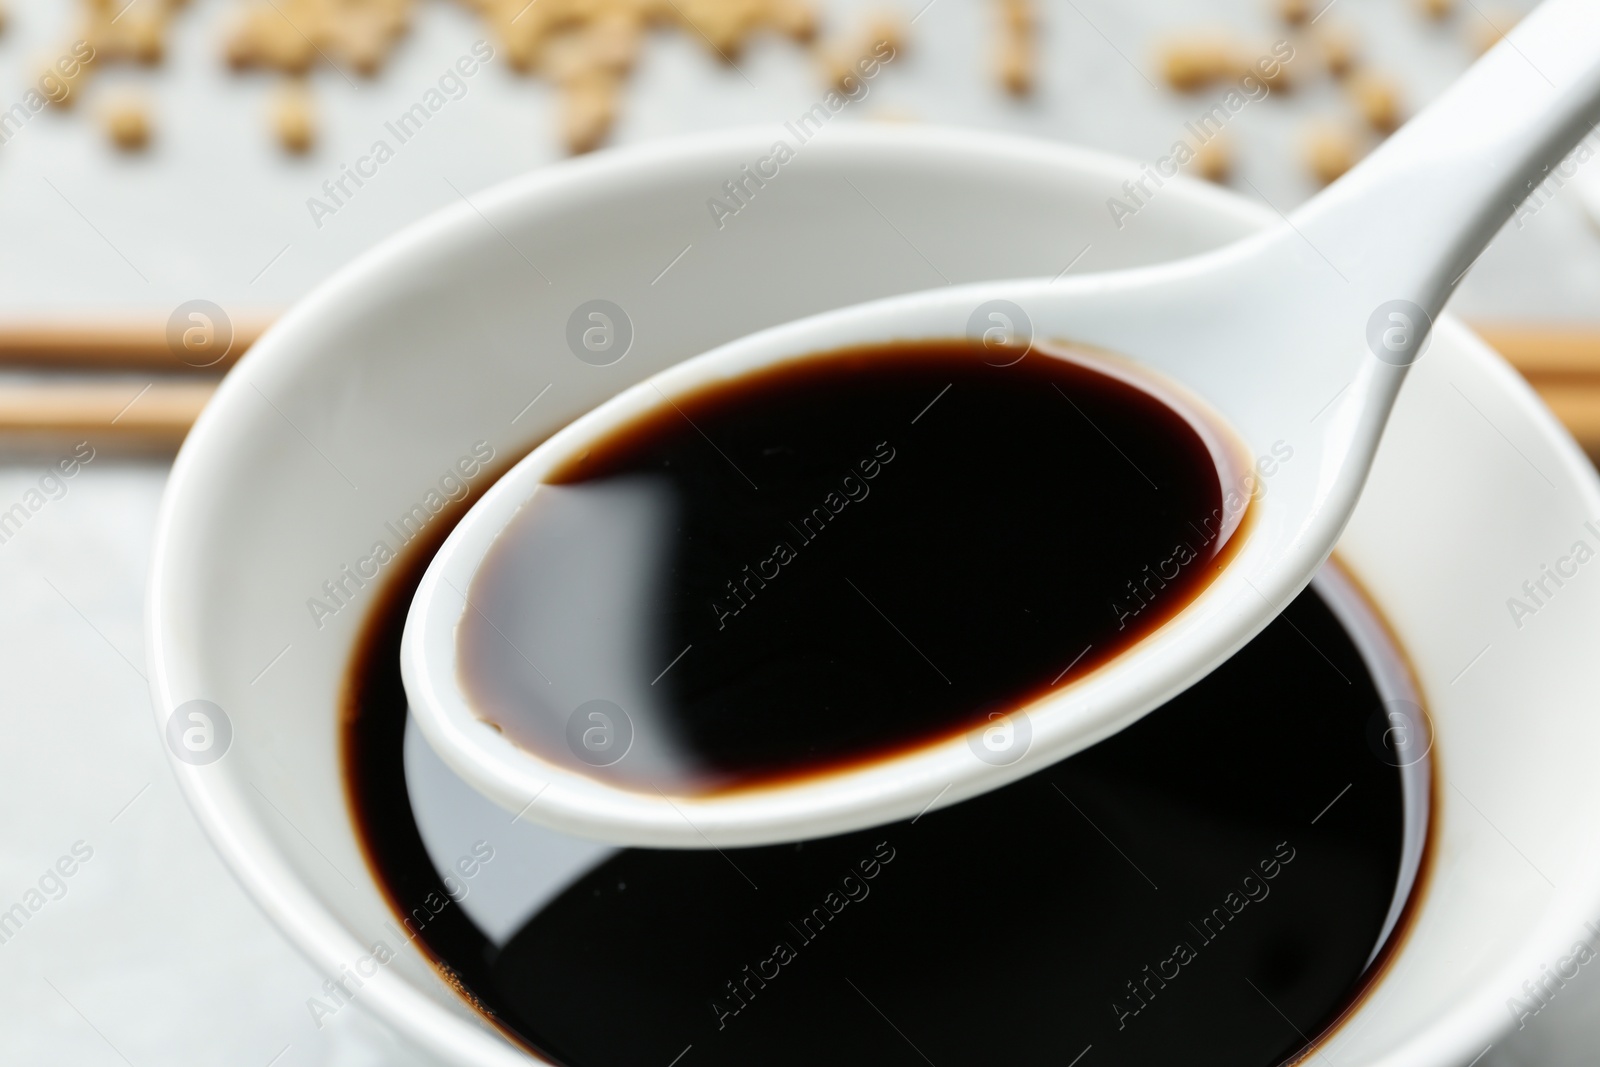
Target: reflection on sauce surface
823	563
1019	927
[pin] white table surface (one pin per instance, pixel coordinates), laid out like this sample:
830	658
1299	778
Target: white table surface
154	955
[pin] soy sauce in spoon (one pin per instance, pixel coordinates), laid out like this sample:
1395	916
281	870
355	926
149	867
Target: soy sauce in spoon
842	558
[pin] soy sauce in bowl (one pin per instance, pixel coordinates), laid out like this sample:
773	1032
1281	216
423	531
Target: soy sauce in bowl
1219	883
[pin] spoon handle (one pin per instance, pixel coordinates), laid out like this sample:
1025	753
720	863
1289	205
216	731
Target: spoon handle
1410	219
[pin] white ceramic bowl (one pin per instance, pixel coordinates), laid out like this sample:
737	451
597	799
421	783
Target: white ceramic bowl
363	397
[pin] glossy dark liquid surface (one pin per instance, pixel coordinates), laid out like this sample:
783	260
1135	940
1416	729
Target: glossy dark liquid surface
838	559
1243	843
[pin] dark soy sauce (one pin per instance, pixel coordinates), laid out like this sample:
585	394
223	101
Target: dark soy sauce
823	563
1003	930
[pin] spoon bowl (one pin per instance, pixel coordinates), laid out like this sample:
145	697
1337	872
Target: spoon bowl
1297	340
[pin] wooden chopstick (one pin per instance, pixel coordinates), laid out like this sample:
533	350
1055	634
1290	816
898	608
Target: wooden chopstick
119	416
1546	353
115	345
1562	363
86	403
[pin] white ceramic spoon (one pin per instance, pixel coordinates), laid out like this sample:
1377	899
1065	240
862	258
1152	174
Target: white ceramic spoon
1300	335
